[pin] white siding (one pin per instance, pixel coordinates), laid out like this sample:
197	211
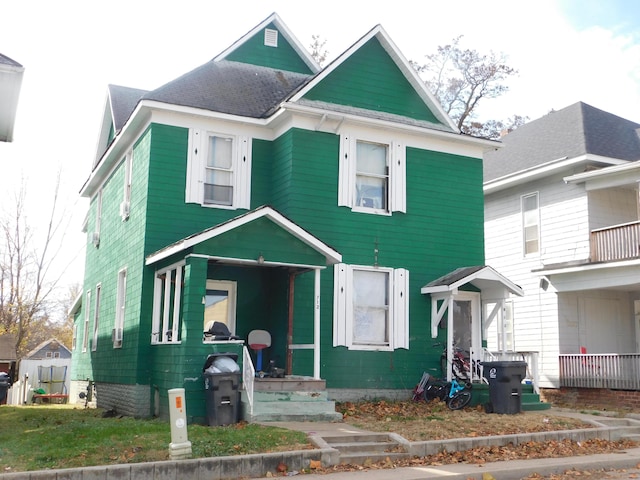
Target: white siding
612	206
564	234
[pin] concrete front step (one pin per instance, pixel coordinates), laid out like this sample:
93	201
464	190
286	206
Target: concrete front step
278	406
366	448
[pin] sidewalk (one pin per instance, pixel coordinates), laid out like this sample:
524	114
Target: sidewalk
507	470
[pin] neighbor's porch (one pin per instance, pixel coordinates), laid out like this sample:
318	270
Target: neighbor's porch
601	370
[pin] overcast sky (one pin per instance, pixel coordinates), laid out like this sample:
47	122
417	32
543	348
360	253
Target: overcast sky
566	51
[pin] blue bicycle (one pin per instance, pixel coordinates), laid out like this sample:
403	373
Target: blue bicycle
456	393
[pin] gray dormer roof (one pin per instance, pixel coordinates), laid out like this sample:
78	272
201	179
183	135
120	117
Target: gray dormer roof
123	102
576	130
231	87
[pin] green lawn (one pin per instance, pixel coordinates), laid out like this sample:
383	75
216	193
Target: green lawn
48	437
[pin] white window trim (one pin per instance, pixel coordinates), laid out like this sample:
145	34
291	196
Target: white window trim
96	318
523	232
397	194
121	302
166	327
343	308
231	287
125	205
95	234
241	169
87	316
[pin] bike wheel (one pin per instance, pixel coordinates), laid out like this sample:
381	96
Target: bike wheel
459	400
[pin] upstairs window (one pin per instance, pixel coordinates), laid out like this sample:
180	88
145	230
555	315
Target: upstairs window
218	170
371	308
372	175
125	205
530	224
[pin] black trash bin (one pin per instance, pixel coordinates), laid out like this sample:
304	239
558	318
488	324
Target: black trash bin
5	383
505	386
222	388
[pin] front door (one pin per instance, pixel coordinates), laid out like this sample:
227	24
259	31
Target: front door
467	327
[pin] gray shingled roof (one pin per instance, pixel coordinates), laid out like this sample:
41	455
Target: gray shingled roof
231	87
123	102
573	131
4	60
220	86
455	276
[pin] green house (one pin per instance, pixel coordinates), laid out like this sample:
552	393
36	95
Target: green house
323	208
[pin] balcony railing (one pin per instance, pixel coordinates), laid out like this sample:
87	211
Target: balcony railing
606	370
620	242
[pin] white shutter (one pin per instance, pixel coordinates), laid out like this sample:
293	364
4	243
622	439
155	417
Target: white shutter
346	171
401	308
194	190
243	174
340	305
398	172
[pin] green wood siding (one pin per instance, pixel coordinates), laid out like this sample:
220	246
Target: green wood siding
370	79
255	52
261	237
121	246
441	231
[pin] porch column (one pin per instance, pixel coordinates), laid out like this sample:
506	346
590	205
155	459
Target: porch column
195	285
316	325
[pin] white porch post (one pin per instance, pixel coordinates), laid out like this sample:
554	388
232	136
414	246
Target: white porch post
449	337
316	326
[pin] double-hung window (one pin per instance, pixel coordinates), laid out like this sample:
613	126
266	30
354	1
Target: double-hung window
372	175
371	307
531	224
218	170
87	316
96	319
118	324
125	205
167	305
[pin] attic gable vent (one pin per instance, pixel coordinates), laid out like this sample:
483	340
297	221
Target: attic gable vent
270	37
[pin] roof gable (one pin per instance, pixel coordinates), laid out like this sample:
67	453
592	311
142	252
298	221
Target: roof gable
373	78
238	224
271	44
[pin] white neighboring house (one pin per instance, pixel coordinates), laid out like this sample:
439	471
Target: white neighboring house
11	73
562	217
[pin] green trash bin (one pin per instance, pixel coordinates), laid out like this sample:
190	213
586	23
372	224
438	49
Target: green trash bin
505	386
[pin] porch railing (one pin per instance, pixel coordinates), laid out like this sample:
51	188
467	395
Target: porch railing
531	359
619	242
606	370
248	375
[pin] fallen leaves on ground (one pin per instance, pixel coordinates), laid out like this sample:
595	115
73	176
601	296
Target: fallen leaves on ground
422	421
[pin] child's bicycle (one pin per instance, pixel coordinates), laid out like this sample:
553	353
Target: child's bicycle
457	395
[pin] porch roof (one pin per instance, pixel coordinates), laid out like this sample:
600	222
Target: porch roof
330	255
481	277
